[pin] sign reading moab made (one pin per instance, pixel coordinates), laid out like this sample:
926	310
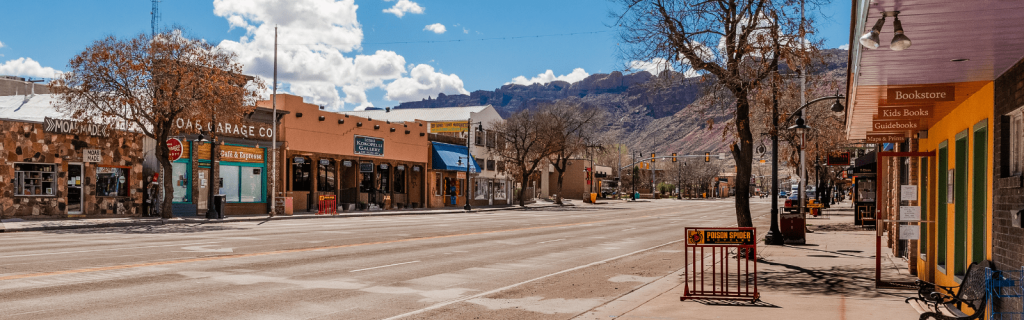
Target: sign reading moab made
369	146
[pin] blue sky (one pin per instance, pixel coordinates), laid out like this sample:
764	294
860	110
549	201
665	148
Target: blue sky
348	54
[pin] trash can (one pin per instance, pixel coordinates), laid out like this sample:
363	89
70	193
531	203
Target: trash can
218	204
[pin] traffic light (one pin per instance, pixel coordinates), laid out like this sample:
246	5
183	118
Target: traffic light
707	157
652	158
673	157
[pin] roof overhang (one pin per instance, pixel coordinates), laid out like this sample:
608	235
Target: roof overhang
985	32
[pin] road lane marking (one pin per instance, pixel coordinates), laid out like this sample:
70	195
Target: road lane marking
267	253
549	241
628	229
390	265
97	250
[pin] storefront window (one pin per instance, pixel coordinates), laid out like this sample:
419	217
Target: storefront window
34	179
300	174
326	180
229	176
366	183
490	165
179	172
112	182
480	185
251	188
383	178
437	184
400	179
499	190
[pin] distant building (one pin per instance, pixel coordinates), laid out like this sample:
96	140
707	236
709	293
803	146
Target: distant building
11	85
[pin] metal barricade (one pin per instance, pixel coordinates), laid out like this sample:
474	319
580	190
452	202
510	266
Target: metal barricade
327	205
711	272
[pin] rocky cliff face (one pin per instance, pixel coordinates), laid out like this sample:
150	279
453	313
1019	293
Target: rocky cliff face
644	112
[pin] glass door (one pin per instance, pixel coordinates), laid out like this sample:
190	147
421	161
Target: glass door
74	195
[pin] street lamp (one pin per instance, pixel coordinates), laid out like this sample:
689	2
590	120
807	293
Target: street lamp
211	211
469	155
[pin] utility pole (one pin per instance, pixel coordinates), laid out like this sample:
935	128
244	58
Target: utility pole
273	134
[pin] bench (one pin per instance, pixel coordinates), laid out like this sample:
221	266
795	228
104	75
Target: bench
932	304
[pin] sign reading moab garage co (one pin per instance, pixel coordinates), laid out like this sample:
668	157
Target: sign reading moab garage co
369	146
921	94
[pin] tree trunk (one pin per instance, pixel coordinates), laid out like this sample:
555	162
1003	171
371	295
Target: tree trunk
167	180
558	196
743	155
522	190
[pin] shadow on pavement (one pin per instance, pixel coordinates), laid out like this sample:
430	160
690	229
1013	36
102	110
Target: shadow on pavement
849	281
159	229
735	303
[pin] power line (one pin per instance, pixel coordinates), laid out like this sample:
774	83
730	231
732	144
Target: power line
467	40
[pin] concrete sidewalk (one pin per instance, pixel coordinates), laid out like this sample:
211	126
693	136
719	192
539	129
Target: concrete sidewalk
20	225
831	277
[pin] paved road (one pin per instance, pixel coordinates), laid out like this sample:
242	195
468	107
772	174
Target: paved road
534	264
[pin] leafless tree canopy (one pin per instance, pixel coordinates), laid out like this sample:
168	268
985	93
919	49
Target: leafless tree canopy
143	84
738	43
523	143
573	130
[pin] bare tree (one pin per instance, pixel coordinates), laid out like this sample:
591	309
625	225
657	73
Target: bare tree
736	43
575	129
145	83
523	144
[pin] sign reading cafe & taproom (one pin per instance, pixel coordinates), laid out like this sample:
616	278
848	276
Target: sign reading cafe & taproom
369	146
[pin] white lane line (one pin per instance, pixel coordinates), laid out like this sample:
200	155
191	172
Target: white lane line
549	241
628	229
390	265
111	249
454	301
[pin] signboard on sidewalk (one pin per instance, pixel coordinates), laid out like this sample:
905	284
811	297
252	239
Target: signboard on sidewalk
719	237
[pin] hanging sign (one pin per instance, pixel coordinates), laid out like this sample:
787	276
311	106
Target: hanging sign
300	160
896	125
910	213
886	138
366	167
908	193
839	159
93	155
449	126
910	232
176	149
74	127
919	94
325	162
347	163
369	146
909	112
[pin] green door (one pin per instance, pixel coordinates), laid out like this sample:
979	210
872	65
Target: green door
941	230
979	186
960	206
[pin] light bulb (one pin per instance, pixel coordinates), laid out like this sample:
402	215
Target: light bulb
899	40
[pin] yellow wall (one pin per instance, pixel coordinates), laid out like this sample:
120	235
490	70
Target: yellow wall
976	108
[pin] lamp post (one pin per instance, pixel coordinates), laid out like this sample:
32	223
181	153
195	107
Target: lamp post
211	208
469	155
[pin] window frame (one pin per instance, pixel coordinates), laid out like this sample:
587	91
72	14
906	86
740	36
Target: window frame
127	182
1016	143
19	180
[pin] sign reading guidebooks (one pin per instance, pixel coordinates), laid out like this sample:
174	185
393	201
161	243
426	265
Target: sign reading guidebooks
369	146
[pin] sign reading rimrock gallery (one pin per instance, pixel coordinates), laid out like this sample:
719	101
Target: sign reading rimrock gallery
895	125
920	94
893	113
369	146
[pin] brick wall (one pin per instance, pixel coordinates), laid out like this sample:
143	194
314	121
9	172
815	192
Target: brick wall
1007	241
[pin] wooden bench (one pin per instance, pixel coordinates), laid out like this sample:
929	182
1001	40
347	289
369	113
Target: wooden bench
932	304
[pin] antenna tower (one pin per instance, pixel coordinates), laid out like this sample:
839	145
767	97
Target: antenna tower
155	21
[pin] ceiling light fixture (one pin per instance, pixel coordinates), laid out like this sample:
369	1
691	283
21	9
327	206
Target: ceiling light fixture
960	60
899	40
870	39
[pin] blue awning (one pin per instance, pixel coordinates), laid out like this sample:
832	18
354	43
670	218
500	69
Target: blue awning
446	157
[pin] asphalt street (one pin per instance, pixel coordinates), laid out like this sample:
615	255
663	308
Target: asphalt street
551	263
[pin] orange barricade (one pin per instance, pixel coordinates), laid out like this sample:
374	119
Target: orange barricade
327	205
714	274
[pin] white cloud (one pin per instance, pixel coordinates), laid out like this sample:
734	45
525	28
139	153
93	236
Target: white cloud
464	30
1	44
424	82
655	66
26	67
404	6
317	52
844	47
548	76
436	28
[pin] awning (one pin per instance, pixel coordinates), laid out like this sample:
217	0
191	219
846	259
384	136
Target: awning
447	156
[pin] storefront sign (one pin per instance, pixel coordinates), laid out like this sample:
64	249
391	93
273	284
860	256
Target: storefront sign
910	213
250	130
895	125
886	138
894	113
366	167
347	164
325	162
92	155
384	166
299	160
175	149
460	175
908	192
369	146
451	126
839	159
233	153
920	94
719	237
74	127
910	232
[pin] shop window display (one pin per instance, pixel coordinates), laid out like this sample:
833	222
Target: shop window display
181	182
399	179
112	182
34	179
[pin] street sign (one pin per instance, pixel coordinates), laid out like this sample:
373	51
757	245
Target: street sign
839	159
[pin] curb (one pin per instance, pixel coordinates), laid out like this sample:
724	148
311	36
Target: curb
155	222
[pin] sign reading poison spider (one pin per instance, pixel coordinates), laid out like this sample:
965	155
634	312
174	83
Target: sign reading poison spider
719	237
